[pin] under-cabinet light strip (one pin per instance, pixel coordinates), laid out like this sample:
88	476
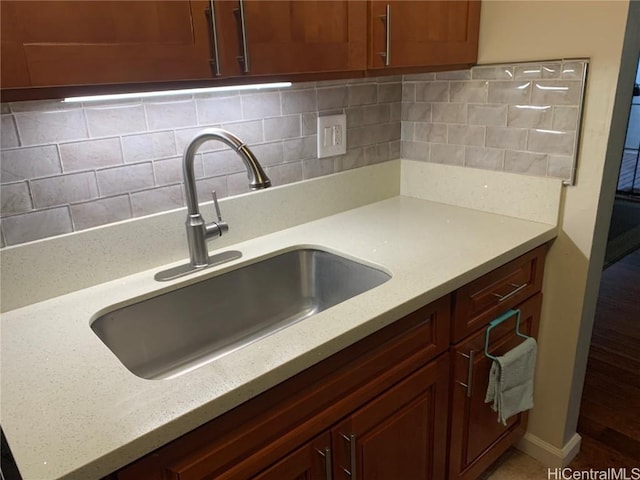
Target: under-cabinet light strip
188	91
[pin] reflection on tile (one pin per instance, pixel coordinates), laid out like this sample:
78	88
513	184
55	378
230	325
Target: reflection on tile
526	72
551	141
517	92
63	189
91	154
98	212
27	163
551	70
36	225
497	72
470	92
530	116
573	70
556	92
15	198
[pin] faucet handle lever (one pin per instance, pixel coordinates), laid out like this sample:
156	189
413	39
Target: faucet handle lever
215	204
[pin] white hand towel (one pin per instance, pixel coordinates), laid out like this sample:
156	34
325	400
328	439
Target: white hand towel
511	381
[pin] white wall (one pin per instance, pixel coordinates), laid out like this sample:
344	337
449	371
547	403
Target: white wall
535	30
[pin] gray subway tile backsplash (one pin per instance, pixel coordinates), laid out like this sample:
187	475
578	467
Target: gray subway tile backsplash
67	167
529	114
64	189
28	163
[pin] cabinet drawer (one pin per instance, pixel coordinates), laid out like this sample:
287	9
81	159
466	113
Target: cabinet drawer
276	422
476	437
482	300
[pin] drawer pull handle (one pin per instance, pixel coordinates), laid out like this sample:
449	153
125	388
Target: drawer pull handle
516	289
215	61
351	440
328	468
469	384
244	58
387	48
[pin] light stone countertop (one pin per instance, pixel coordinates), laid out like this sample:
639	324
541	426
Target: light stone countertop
70	409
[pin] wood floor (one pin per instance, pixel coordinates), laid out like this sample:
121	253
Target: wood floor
609	420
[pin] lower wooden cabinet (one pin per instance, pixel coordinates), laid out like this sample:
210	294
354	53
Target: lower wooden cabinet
477	439
401	434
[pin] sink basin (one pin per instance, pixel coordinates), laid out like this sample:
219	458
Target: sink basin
173	333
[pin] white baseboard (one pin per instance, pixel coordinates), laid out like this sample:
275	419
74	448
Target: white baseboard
546	453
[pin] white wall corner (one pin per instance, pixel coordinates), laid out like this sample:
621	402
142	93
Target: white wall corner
547	454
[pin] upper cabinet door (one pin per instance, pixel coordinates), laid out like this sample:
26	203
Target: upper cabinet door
423	33
91	42
260	37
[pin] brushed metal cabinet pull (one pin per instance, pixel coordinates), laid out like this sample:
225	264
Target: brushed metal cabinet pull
387	49
469	384
328	467
243	34
517	288
215	61
351	440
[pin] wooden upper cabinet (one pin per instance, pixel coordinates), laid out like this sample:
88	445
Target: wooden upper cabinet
96	42
423	33
289	37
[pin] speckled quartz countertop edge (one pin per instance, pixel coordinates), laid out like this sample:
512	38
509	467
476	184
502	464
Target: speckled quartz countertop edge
71	410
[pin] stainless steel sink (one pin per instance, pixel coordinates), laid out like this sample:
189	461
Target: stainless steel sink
168	335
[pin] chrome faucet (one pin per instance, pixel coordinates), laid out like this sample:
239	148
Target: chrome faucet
197	230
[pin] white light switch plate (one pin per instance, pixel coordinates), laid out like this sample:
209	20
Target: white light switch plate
332	135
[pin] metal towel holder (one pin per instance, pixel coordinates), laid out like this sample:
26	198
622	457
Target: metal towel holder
494	323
